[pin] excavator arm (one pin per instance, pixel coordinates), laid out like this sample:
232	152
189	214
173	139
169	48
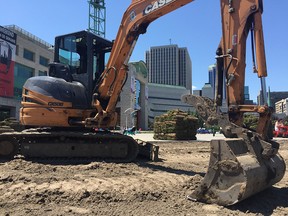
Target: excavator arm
247	161
238	18
134	22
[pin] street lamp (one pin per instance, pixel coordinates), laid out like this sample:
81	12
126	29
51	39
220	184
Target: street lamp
127	115
132	117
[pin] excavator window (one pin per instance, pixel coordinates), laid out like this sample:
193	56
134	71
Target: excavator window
85	56
72	52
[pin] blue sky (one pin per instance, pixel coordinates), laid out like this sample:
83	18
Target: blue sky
196	26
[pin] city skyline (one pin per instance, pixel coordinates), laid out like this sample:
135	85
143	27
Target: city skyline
201	37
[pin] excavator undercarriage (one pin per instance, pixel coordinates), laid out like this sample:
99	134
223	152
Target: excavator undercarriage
45	143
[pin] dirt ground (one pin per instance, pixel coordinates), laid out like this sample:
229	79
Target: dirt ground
140	188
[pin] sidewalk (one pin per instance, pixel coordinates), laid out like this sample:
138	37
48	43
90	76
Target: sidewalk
148	136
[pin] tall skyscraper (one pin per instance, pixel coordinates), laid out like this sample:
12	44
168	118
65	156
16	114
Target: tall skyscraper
169	65
208	90
247	96
212	77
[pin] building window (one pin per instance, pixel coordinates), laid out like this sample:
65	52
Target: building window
28	55
17	50
42	73
21	74
43	61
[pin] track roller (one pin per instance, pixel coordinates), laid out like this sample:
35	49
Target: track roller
8	148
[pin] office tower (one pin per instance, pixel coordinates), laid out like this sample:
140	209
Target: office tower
212	77
169	65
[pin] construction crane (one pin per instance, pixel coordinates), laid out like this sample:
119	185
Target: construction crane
97	17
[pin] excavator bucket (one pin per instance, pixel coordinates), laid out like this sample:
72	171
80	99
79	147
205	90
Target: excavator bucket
236	172
241	165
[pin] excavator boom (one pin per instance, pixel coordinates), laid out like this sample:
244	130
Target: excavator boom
135	21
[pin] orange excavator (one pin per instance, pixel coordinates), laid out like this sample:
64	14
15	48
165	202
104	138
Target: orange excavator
62	110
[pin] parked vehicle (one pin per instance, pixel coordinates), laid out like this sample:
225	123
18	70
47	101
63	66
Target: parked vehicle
282	131
203	131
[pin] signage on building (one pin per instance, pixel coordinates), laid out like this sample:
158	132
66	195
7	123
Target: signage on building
7	61
133	87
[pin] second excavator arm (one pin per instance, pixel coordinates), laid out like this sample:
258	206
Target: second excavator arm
238	18
246	161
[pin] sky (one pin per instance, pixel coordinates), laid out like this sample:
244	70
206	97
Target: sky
196	26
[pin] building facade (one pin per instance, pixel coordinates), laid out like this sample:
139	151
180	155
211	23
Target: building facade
133	104
281	107
212	78
207	91
247	100
31	58
169	65
162	98
140	102
273	97
197	92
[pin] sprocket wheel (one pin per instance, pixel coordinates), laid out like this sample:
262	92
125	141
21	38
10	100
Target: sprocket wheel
8	148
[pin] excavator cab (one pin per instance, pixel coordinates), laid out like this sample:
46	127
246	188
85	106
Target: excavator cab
79	60
81	57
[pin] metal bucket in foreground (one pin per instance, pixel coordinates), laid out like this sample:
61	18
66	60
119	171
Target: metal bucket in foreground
237	170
